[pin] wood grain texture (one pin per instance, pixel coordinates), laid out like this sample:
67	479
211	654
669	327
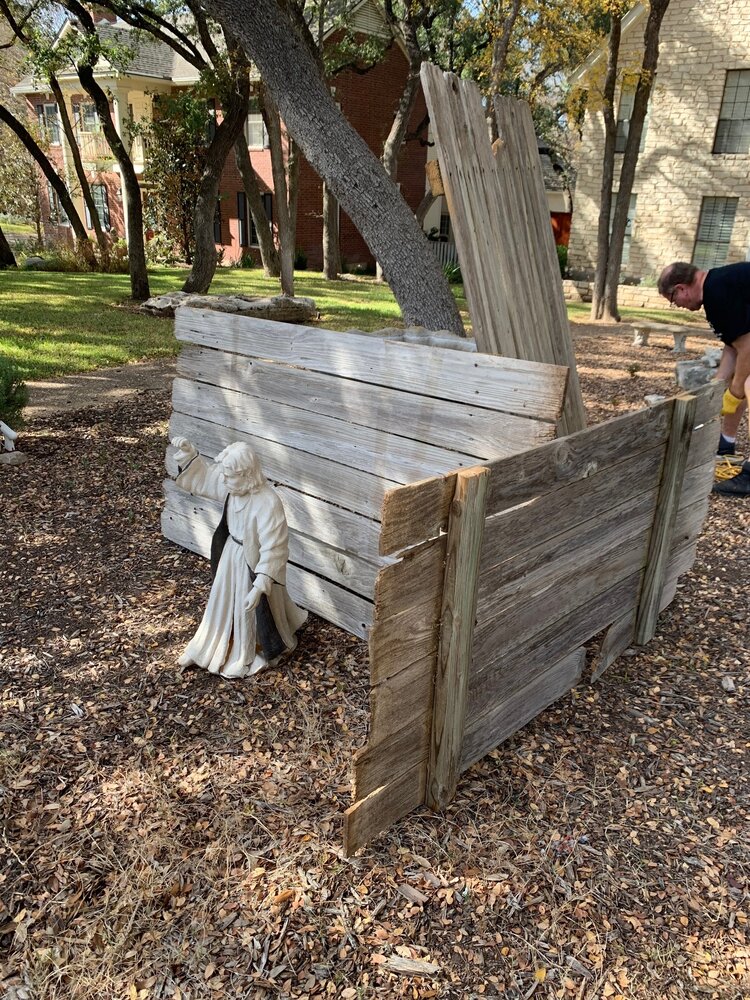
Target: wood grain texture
382	808
396	753
660	543
619	636
351	489
482	433
501	227
414	579
509	385
387	456
488	730
401	695
577	457
500	668
464	541
412	514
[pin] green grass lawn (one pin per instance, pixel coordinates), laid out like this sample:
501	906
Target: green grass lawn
19	228
57	324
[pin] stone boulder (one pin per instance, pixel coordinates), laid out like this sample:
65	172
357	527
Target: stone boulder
34	263
282	308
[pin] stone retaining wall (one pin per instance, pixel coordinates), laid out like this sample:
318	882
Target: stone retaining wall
632	296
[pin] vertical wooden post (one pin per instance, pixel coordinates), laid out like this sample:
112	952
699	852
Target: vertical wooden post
662	530
465	529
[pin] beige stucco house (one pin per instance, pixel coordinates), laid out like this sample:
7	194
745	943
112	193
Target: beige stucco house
691	196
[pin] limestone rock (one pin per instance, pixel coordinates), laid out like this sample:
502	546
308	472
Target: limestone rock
13	458
692	374
282	308
34	264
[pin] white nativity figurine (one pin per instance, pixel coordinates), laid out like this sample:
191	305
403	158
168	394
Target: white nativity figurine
250	620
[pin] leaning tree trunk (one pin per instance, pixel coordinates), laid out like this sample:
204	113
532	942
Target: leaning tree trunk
608	170
55	180
331	245
139	288
227	133
341	157
83	180
268	254
7	258
657	11
281	196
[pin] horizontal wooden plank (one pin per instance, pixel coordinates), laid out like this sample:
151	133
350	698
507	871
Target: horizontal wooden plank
412	514
343	529
488	730
417	578
698	482
400	751
388	456
550	586
523	387
401	697
190	522
609	493
351	489
708	402
537	566
449	425
382	808
520	478
496	667
403	639
704	443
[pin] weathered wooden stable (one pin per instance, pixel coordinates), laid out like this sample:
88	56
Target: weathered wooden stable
476	585
431	510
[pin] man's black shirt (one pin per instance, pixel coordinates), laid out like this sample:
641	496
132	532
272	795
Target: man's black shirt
726	300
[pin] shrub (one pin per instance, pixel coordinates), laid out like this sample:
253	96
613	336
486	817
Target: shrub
300	260
160	250
452	271
562	259
13	395
246	261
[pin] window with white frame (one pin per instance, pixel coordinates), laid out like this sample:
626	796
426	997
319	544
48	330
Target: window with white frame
733	129
629	226
257	136
49	122
101	204
625	113
714	234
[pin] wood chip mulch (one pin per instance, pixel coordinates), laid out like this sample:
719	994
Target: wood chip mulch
167	834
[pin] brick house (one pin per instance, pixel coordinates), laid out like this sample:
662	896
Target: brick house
368	100
691	196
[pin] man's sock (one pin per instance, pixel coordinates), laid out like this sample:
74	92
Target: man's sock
726	445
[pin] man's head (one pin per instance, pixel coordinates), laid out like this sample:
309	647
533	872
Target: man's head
241	468
682	285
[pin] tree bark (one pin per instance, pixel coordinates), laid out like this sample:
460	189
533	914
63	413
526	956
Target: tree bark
339	155
500	48
608	169
227	133
331	245
7	258
55	180
75	153
268	254
281	194
424	207
139	287
656	14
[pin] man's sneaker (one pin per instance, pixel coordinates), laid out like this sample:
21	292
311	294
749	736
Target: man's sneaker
737	486
725	447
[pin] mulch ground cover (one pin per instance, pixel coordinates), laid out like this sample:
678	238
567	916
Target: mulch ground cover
167	834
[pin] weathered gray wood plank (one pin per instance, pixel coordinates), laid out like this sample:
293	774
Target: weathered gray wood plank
490	729
665	516
463	547
507	384
382	808
466	429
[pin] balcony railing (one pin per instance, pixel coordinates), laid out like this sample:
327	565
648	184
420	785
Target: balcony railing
94	147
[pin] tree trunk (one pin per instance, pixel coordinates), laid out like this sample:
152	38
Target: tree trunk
75	153
55	180
424	207
657	11
227	133
331	246
608	169
340	155
292	173
280	190
500	48
7	258
268	253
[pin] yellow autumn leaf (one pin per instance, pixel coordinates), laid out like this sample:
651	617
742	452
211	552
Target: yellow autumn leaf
540	975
